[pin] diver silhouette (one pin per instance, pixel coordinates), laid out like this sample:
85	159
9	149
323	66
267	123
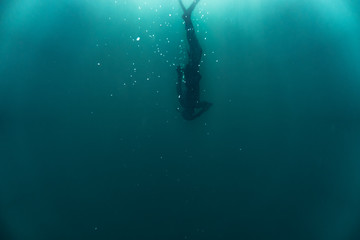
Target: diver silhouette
188	83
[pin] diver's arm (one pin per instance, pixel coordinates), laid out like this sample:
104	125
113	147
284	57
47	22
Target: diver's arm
198	114
204	106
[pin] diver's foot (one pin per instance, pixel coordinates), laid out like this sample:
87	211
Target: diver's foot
187	12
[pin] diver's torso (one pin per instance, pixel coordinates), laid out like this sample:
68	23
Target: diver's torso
190	87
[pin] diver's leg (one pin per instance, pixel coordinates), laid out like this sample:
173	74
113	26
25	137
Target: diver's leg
178	83
187	12
192	7
195	50
182	6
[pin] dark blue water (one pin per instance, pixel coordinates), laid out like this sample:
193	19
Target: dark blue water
92	145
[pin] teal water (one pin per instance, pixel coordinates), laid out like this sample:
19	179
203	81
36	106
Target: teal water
92	146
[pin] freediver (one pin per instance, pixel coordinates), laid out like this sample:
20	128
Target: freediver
188	83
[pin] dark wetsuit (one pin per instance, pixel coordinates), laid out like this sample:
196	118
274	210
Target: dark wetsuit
188	85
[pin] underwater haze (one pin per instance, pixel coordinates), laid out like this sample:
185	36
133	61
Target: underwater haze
92	145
